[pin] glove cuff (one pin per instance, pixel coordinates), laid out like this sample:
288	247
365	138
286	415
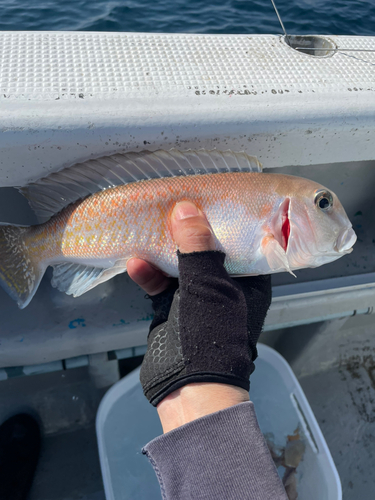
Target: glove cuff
157	393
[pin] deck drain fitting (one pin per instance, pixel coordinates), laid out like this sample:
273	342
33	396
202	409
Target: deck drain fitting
311	45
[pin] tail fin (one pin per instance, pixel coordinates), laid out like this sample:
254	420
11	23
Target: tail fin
19	275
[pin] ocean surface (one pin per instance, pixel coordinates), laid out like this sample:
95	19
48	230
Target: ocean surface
336	17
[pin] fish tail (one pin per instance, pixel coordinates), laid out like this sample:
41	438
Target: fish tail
20	275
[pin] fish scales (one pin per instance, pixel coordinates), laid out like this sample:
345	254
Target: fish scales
133	220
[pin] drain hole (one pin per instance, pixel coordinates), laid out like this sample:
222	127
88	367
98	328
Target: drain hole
312	45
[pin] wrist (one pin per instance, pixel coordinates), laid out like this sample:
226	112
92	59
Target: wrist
197	400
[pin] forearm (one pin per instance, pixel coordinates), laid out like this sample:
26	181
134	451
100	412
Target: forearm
194	401
220	455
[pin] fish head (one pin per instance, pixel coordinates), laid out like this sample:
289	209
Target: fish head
319	229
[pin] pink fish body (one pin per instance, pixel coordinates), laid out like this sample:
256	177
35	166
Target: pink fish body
265	223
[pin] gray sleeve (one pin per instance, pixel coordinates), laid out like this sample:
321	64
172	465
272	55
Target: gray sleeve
222	455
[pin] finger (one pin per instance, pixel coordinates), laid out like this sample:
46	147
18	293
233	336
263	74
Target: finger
190	229
151	280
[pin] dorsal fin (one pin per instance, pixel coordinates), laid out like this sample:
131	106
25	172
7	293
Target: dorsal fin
53	193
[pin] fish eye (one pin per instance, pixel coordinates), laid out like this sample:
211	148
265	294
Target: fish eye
323	200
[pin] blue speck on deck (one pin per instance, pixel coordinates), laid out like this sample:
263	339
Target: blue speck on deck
121	323
75	323
149	317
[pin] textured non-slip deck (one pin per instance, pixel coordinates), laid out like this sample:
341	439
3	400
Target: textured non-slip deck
39	65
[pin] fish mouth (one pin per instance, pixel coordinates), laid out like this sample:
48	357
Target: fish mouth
345	241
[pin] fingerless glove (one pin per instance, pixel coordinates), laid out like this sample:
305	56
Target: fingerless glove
206	330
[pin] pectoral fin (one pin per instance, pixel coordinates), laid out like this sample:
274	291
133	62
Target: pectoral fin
275	254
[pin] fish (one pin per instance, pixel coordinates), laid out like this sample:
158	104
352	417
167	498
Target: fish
97	215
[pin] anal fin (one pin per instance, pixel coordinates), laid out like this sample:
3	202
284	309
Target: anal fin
275	255
77	279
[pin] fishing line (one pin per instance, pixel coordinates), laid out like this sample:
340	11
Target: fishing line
279	18
334	50
313	48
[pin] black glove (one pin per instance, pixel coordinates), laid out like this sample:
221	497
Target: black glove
206	330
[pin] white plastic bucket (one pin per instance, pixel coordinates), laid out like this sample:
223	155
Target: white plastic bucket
126	422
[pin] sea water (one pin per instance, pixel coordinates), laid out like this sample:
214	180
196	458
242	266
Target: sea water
336	17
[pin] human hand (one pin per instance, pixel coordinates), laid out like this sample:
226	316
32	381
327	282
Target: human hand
200	352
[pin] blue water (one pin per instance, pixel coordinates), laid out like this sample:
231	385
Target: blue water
339	17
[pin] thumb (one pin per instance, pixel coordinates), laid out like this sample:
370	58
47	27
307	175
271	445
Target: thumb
190	229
